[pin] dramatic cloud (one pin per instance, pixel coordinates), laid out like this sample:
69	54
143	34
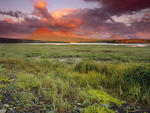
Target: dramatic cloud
126	18
64	19
16	14
122	6
123	17
13	29
63	12
144	35
41	5
67	19
40	9
8	20
57	19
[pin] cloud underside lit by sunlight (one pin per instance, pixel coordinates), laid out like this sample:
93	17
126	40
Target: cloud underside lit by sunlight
126	18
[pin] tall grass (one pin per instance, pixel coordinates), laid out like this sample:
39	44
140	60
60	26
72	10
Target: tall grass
138	78
64	88
130	80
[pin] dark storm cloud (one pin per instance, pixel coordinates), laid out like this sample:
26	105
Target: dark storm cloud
16	14
122	6
98	16
10	29
143	26
33	22
128	31
25	27
96	19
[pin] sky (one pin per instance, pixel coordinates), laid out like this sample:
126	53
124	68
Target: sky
91	18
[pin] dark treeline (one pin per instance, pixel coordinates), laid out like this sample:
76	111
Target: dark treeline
11	40
127	41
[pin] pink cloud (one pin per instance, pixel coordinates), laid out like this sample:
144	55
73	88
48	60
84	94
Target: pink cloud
143	35
9	20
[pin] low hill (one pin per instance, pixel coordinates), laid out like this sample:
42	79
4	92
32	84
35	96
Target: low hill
44	34
115	37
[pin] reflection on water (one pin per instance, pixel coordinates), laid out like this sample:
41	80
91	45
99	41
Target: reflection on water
132	45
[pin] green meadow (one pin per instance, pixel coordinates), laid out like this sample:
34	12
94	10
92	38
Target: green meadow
74	78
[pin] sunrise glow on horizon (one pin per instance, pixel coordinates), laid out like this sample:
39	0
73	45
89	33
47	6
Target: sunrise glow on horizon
86	18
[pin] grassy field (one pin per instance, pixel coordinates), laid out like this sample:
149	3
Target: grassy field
92	52
74	78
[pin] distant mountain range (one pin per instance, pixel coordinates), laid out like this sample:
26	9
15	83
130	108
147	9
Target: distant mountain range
45	34
115	37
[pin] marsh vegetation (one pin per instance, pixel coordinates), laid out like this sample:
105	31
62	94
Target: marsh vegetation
74	78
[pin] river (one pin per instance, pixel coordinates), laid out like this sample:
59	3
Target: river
132	45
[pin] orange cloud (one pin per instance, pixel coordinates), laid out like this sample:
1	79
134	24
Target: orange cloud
41	5
47	35
61	19
69	22
41	10
63	12
64	18
143	35
57	19
44	19
8	20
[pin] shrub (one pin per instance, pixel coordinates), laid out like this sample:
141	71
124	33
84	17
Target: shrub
137	83
138	74
85	67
